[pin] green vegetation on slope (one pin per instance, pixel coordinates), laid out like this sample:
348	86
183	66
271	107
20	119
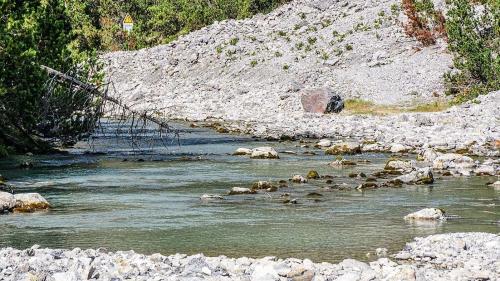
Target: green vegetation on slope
155	22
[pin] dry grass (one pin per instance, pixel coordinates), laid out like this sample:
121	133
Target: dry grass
359	106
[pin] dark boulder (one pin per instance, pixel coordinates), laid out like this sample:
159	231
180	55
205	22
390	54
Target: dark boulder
335	105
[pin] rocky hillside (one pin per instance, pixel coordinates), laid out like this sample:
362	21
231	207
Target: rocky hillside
251	74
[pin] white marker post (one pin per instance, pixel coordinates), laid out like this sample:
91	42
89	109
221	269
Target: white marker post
128	23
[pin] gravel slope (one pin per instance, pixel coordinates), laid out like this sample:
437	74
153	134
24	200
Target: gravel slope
250	75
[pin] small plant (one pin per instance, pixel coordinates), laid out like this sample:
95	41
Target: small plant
308	48
326	23
218	49
253	63
381	13
278	54
341	38
252	38
325	56
395	8
302	15
234	41
312	29
378	36
299	45
282	33
297	27
348	47
335	33
312	40
424	23
338	51
286	67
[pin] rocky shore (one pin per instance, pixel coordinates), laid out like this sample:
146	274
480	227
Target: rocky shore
455	256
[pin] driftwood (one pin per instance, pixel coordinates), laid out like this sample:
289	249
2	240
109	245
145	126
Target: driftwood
95	91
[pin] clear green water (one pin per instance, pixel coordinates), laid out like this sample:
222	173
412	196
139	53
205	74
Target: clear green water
154	206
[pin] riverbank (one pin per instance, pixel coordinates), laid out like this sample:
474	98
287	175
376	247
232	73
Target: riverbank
455	256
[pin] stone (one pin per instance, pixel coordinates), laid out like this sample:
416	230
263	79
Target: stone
453	161
429	155
399	148
342	163
427	214
264	272
485	170
335	105
495	185
381	252
316	100
344	148
211	197
313	175
30	202
299	179
367	185
399	165
420	176
241	190
324	143
243	151
7	201
262	185
264	152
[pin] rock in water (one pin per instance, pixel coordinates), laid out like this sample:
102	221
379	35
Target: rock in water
335	105
7	201
264	152
243	151
427	214
344	148
420	176
241	190
30	202
318	100
211	197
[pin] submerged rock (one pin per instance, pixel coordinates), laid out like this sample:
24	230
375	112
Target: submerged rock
313	175
7	201
342	163
243	151
211	197
495	185
241	190
30	202
427	214
344	148
264	152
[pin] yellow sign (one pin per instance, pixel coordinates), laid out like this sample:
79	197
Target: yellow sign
128	23
128	19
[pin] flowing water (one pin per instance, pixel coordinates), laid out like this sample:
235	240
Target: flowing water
150	203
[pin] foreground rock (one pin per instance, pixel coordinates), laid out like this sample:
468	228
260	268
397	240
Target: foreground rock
456	256
30	202
427	214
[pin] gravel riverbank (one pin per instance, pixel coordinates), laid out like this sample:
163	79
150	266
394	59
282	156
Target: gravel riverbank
455	256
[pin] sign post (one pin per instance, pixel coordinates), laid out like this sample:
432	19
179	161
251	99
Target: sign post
128	23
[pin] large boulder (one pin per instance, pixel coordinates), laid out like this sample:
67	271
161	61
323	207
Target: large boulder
264	152
427	214
321	101
344	148
453	161
30	202
7	201
420	176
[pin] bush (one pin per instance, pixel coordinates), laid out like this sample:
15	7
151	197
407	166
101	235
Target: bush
424	22
473	34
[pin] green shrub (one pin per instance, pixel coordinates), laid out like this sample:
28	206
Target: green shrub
234	41
253	63
474	41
